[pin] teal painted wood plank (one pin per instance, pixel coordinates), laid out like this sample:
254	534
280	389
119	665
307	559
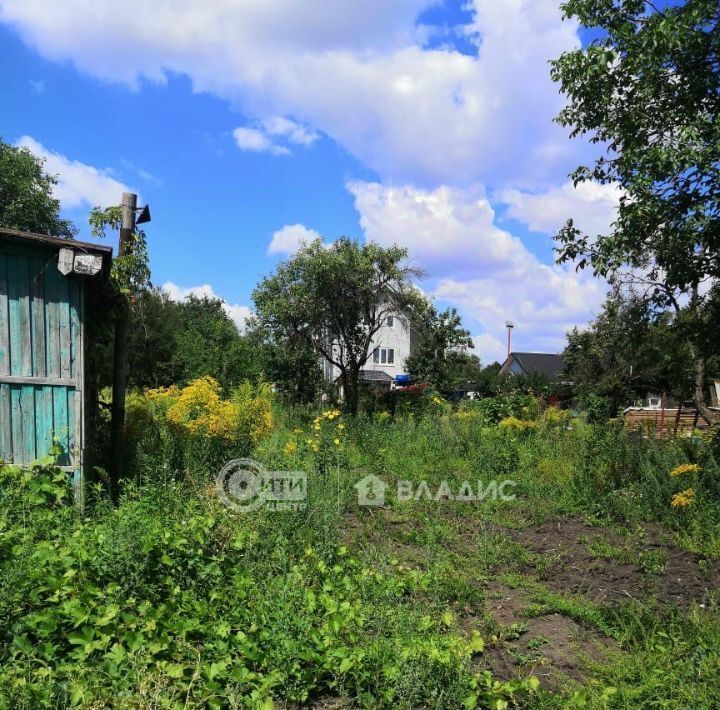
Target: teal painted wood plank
16	414
60	423
65	332
52	319
22	404
74	287
43	421
72	427
27	403
19	315
6	444
4	325
37	313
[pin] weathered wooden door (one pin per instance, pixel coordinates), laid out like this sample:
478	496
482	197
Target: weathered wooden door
41	369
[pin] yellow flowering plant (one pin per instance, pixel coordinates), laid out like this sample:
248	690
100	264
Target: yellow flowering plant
515	424
326	439
685	469
199	415
200	410
684	499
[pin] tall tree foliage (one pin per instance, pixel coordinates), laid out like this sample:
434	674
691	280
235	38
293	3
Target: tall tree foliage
338	298
648	91
292	364
440	356
26	194
173	343
630	349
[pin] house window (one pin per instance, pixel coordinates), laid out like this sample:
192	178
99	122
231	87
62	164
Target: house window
390	321
384	356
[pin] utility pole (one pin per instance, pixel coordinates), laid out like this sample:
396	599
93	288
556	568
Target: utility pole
122	318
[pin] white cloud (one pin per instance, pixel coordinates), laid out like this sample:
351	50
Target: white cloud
290	130
290	238
485	270
264	136
239	314
358	71
256	141
79	184
591	206
489	349
447	230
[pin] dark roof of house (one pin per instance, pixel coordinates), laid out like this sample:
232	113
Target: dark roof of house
17	235
374	376
548	364
371	376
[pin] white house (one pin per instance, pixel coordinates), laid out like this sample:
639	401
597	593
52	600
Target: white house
389	348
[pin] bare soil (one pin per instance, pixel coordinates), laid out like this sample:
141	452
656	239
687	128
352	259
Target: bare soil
552	647
604	565
568	564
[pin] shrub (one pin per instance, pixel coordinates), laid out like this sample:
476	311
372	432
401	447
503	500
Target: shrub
196	428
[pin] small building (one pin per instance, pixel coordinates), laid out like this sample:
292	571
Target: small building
548	365
370	380
45	284
391	345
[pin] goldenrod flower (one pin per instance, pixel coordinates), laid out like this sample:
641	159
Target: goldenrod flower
684	468
290	448
683	499
337	442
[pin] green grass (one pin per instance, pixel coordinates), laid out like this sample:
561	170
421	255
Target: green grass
171	600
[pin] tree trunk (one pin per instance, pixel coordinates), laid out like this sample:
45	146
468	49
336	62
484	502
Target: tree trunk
352	397
705	412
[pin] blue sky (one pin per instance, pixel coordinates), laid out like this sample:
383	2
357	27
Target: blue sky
249	125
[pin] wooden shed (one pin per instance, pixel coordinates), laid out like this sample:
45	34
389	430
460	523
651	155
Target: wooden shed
43	289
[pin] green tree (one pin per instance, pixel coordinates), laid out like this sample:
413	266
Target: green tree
291	364
26	194
440	356
338	297
630	349
647	90
173	343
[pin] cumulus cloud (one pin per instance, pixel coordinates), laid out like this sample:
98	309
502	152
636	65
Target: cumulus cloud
477	266
359	71
256	141
290	238
238	313
592	207
447	230
268	136
79	184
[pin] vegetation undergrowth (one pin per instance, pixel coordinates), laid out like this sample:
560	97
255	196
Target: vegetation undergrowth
170	599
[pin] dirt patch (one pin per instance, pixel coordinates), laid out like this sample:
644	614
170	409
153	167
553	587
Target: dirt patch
552	647
607	567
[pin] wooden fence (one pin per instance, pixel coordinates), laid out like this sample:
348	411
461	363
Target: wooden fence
663	422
